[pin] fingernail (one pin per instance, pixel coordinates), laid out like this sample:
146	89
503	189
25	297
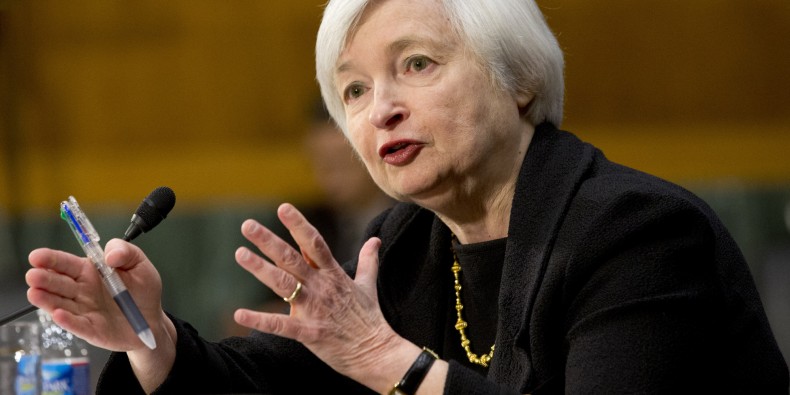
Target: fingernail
251	227
286	209
243	254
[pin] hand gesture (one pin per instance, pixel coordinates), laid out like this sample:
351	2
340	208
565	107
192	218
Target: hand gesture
336	317
70	289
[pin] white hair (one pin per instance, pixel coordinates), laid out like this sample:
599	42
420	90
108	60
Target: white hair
509	37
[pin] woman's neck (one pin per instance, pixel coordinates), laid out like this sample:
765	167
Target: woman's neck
489	221
484	213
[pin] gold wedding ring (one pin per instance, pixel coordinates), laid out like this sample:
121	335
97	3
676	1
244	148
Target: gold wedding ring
295	293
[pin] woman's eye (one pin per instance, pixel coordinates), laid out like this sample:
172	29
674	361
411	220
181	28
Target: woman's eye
353	91
418	63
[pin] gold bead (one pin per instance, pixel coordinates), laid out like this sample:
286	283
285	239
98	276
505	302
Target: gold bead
460	325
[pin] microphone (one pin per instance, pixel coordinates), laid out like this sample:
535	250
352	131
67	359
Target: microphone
151	212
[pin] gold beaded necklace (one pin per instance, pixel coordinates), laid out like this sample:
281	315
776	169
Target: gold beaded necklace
461	325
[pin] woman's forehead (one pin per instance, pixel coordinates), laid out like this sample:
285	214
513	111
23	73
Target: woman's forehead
394	26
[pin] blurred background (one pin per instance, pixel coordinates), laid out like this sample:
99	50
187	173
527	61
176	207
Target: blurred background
108	100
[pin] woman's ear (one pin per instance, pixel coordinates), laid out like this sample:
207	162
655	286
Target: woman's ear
523	101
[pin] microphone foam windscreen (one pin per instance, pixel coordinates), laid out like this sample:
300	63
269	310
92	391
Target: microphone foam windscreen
156	206
163	199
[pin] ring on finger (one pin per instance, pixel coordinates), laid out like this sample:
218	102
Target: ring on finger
295	293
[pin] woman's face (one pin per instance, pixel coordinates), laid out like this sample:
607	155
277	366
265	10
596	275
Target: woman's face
425	118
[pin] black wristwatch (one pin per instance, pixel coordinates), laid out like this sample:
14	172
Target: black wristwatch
413	378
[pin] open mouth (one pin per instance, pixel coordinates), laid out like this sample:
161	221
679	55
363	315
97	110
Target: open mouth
396	147
400	152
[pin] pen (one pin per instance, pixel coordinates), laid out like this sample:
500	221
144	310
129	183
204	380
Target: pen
89	241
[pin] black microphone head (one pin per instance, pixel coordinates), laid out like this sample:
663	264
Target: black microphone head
155	207
151	212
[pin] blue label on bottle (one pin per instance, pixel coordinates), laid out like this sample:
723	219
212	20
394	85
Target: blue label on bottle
26	375
65	377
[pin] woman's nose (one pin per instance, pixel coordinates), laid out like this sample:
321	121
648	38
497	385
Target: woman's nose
388	109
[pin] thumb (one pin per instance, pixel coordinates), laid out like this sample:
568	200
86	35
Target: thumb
123	255
368	267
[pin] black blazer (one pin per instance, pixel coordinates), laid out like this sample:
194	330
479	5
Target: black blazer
614	281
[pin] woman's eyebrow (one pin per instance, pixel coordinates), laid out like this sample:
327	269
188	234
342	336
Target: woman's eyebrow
402	44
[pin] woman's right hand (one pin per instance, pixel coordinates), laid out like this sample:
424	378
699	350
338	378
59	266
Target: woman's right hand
70	289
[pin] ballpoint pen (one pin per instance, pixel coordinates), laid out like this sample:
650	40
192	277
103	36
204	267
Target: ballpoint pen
89	241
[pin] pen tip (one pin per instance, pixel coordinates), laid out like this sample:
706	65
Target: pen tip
148	338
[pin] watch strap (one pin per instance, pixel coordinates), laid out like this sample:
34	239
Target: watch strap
411	381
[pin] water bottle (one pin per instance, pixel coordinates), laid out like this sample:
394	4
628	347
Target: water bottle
65	366
19	356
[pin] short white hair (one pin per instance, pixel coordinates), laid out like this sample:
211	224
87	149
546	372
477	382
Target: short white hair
509	37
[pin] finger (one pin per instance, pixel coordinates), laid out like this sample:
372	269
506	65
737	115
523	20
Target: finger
368	267
307	259
123	255
276	324
49	301
310	241
281	253
57	261
52	282
278	280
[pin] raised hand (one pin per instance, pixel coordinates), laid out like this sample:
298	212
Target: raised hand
336	317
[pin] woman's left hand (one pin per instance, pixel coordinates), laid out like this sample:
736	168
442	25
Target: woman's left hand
336	317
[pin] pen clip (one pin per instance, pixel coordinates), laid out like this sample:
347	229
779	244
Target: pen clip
79	223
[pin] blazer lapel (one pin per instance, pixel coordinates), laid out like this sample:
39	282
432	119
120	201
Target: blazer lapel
553	169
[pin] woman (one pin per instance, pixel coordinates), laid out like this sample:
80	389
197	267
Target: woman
520	255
